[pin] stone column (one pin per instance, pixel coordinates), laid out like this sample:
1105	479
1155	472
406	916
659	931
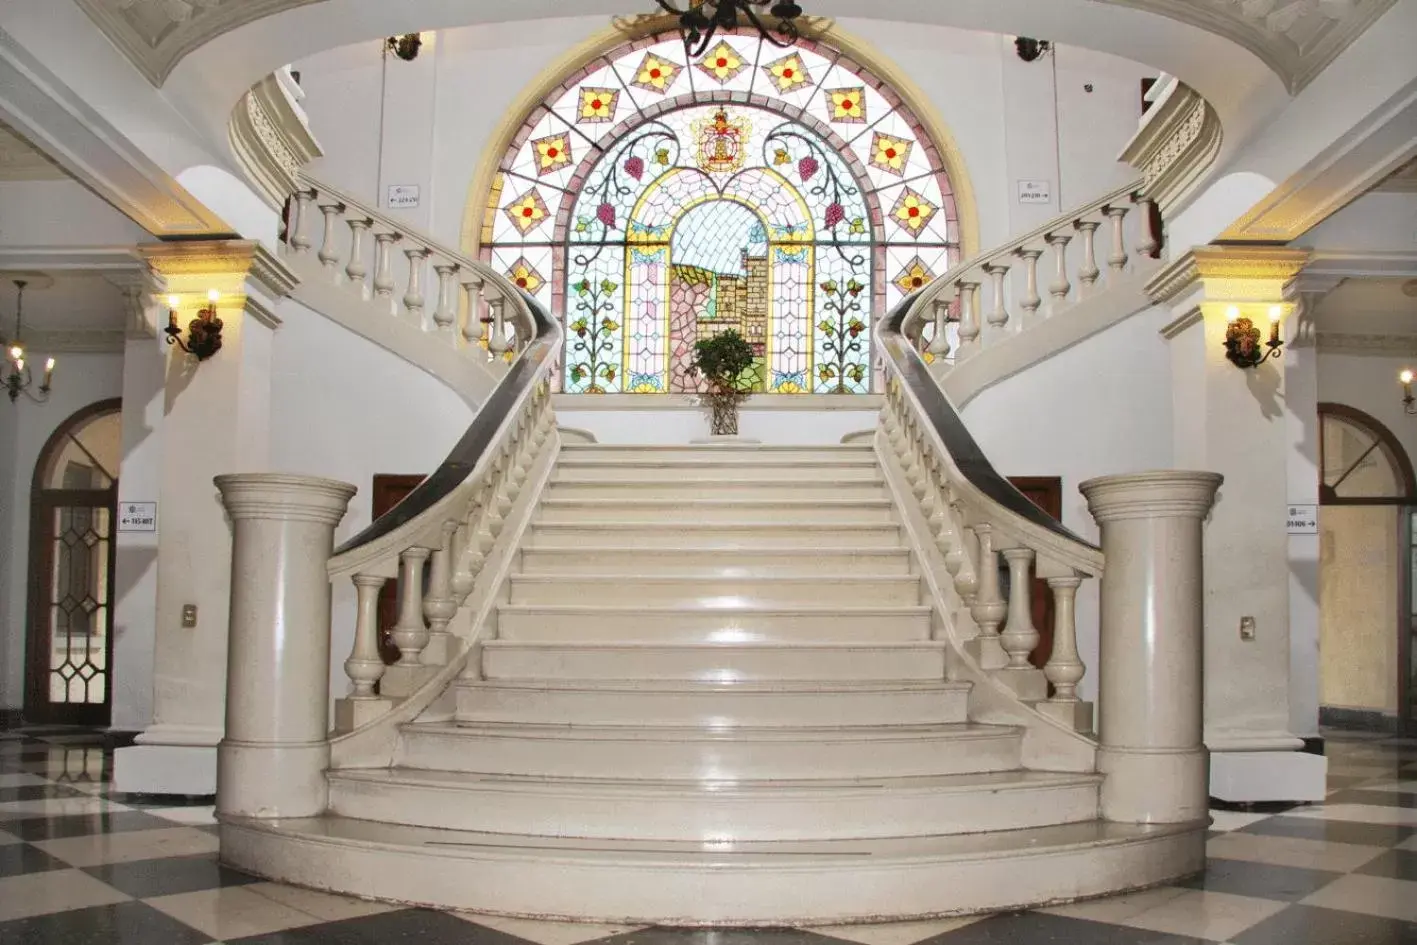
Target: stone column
272	760
1150	677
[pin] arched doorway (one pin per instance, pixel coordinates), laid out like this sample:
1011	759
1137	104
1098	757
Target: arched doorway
1367	492
790	195
73	512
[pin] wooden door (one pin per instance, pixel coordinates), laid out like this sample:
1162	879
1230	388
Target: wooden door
1046	492
389	490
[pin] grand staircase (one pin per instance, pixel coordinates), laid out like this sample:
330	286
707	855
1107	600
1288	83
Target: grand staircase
713	692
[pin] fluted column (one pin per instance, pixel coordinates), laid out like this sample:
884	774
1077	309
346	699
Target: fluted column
1150	669
272	760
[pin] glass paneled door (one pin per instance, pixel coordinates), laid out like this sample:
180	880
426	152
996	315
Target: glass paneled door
69	645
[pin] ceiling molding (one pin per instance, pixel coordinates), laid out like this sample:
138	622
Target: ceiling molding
75	341
1401	181
1378	346
1363	264
106	259
20	160
1358	161
1295	38
41	108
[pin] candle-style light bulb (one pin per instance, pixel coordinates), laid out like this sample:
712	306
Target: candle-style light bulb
48	374
1232	313
16	353
174	301
1276	313
1405	377
213	296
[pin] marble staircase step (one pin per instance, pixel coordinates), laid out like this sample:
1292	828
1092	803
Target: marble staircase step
720	468
601	558
687	702
653	589
572	486
707	752
743	454
715	811
714	662
723	534
629	622
695	511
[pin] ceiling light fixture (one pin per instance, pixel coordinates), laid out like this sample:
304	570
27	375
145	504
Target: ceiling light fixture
699	23
15	374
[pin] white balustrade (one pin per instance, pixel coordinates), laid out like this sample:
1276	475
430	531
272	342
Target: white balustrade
998	314
1117	259
1060	286
1088	272
383	264
1064	669
1031	298
1020	636
413	297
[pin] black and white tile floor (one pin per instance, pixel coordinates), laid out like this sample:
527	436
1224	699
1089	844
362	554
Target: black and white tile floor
82	865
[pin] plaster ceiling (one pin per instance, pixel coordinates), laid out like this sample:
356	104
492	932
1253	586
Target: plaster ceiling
1370	307
1402	181
19	160
67	302
1295	38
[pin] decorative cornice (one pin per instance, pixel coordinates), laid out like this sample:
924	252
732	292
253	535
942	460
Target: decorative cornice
1192	316
1386	346
271	140
272	273
262	312
1171	280
221	264
1248	262
1175	145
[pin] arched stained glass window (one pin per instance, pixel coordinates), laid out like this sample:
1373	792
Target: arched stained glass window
655	200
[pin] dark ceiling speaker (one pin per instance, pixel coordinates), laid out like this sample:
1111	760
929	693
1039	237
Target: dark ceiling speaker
1030	49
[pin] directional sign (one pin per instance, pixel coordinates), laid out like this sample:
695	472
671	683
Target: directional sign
1303	520
137	517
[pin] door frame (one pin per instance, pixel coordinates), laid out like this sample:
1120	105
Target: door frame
39	561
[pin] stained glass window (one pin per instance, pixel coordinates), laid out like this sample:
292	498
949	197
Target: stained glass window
655	200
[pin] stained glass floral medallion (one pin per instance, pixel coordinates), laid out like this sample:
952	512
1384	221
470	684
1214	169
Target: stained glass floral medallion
657	200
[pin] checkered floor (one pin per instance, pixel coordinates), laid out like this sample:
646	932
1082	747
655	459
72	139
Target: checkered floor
83	865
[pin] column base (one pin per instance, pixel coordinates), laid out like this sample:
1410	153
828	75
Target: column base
1248	777
268	781
1153	786
168	760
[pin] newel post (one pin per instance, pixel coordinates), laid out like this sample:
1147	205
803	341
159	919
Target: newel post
1150	680
272	760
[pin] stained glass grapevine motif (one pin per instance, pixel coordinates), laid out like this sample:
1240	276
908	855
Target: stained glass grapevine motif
656	200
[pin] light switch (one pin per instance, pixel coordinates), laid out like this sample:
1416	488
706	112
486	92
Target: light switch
189	615
1247	628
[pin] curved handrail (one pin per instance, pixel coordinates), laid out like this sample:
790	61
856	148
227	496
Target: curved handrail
404	521
978	485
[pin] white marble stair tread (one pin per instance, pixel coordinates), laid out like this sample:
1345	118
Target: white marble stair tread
716	590
727	534
653	486
961	732
998	843
695	510
744	687
681	561
690	623
783	809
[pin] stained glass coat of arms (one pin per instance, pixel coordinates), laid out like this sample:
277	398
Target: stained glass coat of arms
656	200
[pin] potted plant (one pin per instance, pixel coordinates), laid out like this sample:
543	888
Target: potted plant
723	361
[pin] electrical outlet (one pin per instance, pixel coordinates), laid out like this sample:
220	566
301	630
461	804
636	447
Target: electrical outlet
1247	628
189	616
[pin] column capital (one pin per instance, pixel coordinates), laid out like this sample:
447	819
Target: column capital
1168	493
284	497
1229	273
226	265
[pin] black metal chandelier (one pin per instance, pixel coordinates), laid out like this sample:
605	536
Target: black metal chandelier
699	23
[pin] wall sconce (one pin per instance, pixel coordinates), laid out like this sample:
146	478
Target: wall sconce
1029	49
1409	403
1242	338
203	332
406	46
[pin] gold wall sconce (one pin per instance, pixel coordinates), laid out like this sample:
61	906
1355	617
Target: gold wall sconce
203	332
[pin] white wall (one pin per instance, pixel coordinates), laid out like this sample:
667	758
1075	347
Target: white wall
999	109
80	380
344	408
1380	221
1061	418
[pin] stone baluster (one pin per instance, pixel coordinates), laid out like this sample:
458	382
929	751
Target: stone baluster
1020	636
410	632
1064	670
988	609
1150	678
364	667
968	319
272	759
940	341
1088	272
1148	243
384	264
439	607
355	270
1117	260
1060	286
329	252
446	314
998	313
964	554
300	226
413	298
472	323
497	343
1031	298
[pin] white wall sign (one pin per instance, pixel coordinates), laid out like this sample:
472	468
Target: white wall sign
1303	520
403	196
1035	191
137	516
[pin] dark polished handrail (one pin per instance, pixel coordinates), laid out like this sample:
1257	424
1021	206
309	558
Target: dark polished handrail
941	414
463	458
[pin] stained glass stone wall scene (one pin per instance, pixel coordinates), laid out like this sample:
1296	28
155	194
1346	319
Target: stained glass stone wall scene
655	199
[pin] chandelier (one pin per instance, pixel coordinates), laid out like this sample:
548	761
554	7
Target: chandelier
15	374
699	23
